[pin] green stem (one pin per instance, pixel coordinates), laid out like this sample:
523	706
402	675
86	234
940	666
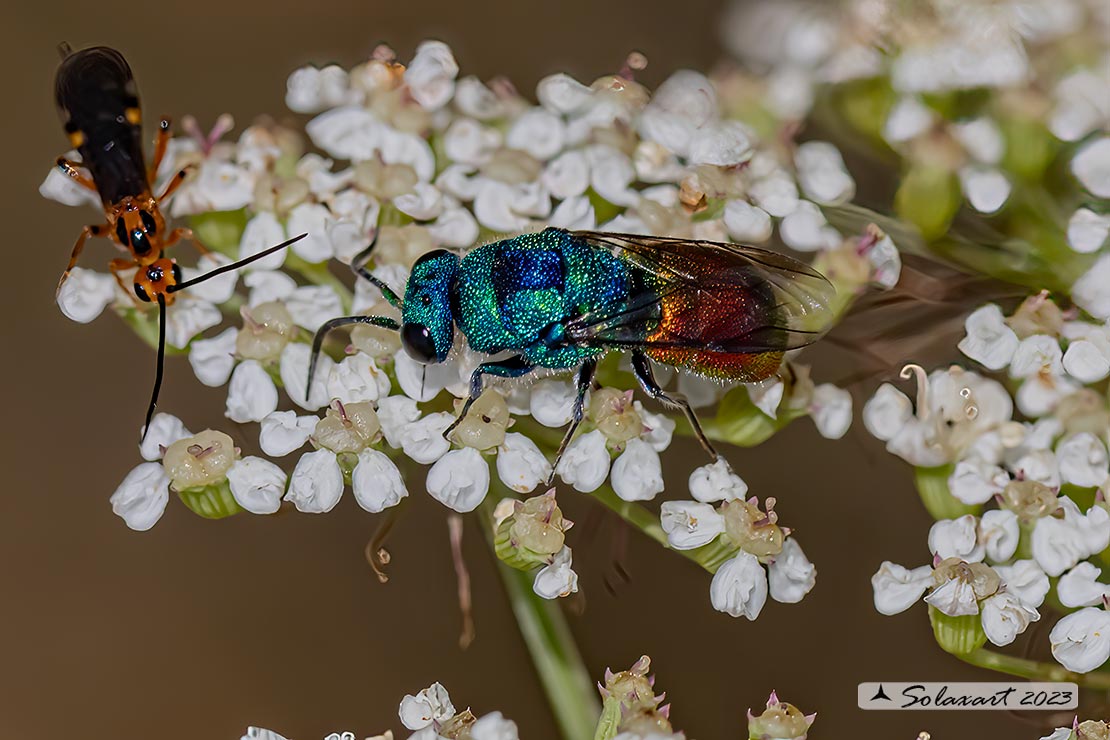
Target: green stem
1033	669
570	691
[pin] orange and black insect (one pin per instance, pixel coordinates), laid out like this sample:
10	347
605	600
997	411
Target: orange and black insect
99	105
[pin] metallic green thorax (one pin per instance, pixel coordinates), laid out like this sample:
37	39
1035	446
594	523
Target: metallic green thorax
518	294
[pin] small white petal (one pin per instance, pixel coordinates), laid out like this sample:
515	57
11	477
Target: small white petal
975	481
1026	580
317	482
164	430
1091	166
423	382
822	174
268	285
468	142
887	412
294	376
251	395
257	484
637	473
791	575
424	203
767	394
562	93
999	532
310	218
60	187
213	359
552	402
747	223
585	462
831	410
423	440
1092	290
85	294
309	89
908	119
431	75
357	378
262	232
1087	231
987	189
1037	355
660	428
1056	547
1005	617
1080	586
1081	641
455	227
690	524
187	318
724	144
312	305
957	538
376	482
567	175
807	230
886	263
538	132
395	413
520	464
989	340
717	482
494	726
739	587
558	579
574	213
1083	460
283	432
612	174
432	704
1086	361
981	138
459	480
476	100
141	498
896	588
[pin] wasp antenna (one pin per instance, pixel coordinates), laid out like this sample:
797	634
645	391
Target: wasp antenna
161	365
64	49
423	377
234	265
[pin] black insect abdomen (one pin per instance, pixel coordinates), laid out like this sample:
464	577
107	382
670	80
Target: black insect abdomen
99	104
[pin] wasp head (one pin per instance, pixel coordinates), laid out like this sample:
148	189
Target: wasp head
138	228
157	279
427	322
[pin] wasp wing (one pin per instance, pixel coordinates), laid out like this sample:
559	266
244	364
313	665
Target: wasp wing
707	296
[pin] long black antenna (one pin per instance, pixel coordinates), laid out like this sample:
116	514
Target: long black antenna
234	265
161	364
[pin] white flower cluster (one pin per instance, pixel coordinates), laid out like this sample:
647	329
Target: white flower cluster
759	556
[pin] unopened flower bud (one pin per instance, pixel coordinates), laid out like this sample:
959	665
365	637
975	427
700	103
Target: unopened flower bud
752	530
1093	730
200	460
779	721
1029	499
458	727
348	427
484	425
267	328
533	533
613	413
384	181
376	341
1037	314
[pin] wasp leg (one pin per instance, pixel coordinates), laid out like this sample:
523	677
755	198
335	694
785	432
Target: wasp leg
88	231
641	367
175	182
71	171
187	234
585	380
161	142
511	367
358	266
318	340
117	266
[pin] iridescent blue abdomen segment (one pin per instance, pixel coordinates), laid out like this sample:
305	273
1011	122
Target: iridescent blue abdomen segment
519	293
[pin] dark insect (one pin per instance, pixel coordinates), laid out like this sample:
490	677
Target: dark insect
562	299
99	105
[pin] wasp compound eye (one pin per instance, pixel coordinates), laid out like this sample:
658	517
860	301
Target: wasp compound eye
418	342
141	292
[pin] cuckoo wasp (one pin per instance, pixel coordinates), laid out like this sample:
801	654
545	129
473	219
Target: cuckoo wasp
99	105
562	299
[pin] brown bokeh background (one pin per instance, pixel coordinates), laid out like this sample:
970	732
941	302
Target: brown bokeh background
199	628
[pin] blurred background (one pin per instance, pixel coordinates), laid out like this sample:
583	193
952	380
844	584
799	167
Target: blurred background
199	628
